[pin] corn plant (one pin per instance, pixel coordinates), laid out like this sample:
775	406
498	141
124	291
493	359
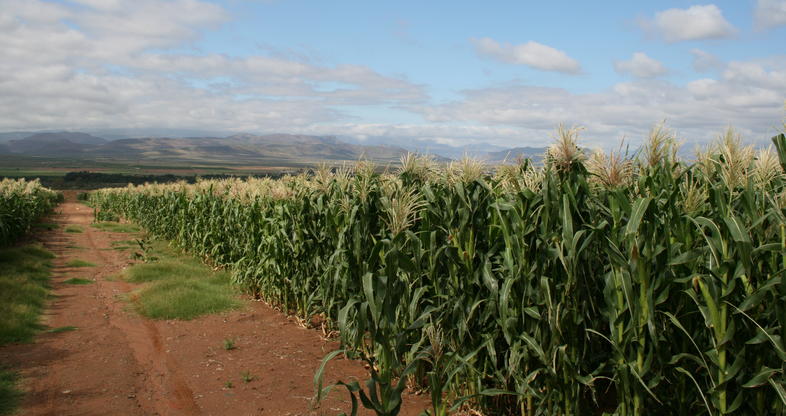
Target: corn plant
618	284
21	203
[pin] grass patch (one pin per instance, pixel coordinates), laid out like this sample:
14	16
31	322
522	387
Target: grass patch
116	227
24	285
73	229
9	394
62	329
179	286
124	245
77	281
79	263
45	226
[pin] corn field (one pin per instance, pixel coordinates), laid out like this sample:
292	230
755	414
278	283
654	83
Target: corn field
21	203
596	283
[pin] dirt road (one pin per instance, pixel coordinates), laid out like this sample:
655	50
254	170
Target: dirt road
118	363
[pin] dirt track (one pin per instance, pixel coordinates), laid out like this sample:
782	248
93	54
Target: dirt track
117	363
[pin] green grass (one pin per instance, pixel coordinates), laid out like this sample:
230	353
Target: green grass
24	283
124	245
9	393
77	281
79	263
24	289
73	229
179	286
116	227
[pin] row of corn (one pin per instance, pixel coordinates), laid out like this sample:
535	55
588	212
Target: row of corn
22	203
596	283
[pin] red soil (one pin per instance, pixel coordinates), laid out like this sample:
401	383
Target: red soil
118	363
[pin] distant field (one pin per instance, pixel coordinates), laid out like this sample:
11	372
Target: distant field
17	173
46	166
70	174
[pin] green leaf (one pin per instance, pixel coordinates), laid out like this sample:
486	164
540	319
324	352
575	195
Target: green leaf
761	378
636	215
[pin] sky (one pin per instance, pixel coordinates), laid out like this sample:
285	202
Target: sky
449	72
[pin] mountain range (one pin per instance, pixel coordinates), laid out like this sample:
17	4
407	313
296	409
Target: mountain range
237	149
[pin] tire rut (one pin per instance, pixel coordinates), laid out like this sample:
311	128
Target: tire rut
167	388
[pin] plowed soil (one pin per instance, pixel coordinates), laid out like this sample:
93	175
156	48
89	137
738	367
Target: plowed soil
118	363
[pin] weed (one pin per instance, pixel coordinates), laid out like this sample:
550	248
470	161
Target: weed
146	251
74	229
229	384
229	344
246	376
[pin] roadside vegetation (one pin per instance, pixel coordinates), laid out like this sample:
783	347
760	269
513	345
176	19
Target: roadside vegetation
24	287
116	227
24	272
597	283
9	393
177	285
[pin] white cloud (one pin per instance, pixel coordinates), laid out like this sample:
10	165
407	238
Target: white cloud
64	66
770	13
693	23
641	66
532	54
748	95
98	64
705	61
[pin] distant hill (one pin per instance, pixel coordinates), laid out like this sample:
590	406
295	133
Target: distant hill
54	144
237	149
511	155
14	135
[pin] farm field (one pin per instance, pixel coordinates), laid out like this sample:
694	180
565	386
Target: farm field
97	355
596	284
263	207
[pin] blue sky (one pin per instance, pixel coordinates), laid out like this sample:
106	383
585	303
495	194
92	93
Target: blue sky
504	72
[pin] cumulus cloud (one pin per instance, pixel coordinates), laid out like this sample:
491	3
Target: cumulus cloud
532	54
693	23
770	13
705	61
98	64
748	95
641	66
90	64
